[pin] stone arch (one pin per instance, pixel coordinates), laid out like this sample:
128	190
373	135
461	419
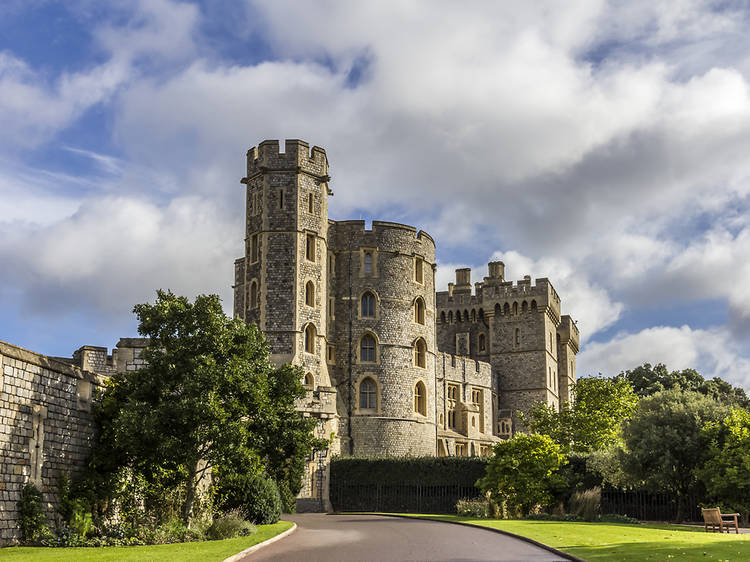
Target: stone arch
420	353
515	308
368	348
506	308
368	304
420	398
524	306
419	310
310	334
309	379
533	306
309	293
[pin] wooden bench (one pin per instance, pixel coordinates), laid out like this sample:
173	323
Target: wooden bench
714	517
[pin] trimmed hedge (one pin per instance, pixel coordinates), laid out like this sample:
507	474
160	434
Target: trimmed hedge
425	471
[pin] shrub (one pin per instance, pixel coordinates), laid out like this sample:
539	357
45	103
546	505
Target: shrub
30	515
257	496
231	525
288	498
586	504
477	507
617	518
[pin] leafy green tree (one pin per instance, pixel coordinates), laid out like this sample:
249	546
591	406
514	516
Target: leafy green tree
523	472
207	397
648	380
665	444
593	421
726	473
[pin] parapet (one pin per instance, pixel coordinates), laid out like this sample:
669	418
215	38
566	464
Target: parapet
568	332
384	235
457	367
296	156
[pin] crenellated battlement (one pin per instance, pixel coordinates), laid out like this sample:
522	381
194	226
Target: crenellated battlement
267	156
568	332
384	235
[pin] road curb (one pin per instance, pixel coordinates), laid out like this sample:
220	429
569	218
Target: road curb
240	555
560	553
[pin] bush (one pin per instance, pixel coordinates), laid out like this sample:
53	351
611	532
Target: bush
477	507
256	495
31	518
288	498
552	517
586	504
229	526
617	518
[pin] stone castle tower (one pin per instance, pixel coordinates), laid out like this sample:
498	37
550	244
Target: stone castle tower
391	367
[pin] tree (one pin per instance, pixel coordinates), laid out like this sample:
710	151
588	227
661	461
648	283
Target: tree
523	472
726	473
207	397
665	443
595	418
648	380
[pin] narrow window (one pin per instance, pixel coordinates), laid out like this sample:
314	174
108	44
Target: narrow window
310	294
452	397
458	316
473	315
254	248
515	308
506	308
482	343
498	309
420	399
466	315
518	336
332	265
442	317
450	317
331	308
331	354
533	306
524	307
418	270
368	305
310	338
309	379
310	247
419	310
368	263
420	352
367	349
281	198
310	203
367	394
253	295
481	315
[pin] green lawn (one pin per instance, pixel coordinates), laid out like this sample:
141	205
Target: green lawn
197	551
616	541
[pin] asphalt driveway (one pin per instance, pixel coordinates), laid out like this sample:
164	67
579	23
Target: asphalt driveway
329	538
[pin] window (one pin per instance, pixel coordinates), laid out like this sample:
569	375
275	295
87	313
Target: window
515	308
331	354
310	338
450	317
418	270
281	198
460	449
533	306
310	247
368	263
473	315
419	310
253	248
420	352
506	308
442	317
331	308
310	294
420	399
452	398
367	394
524	307
367	349
331	265
367	305
253	295
310	200
518	336
476	396
466	315
482	343
458	316
309	381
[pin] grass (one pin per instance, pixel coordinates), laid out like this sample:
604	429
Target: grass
623	542
187	551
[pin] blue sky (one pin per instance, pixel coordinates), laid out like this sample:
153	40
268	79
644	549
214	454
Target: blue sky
602	145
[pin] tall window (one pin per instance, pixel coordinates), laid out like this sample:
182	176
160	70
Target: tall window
533	306
254	248
420	352
524	306
368	263
310	203
420	399
506	308
310	294
331	308
515	308
367	309
419	270
253	295
310	247
309	379
367	349
332	265
442	317
281	198
419	310
310	338
331	354
367	394
482	343
452	398
518	336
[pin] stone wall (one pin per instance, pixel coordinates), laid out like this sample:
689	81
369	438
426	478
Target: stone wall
46	427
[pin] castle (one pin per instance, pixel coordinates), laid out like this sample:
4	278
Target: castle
391	366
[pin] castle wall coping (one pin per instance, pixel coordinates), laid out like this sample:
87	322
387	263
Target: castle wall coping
46	362
380	226
133	342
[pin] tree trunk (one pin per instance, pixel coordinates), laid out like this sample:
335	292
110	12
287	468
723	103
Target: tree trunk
680	501
187	508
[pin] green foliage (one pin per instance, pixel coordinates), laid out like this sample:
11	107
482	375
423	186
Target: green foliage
665	443
648	380
477	507
585	504
288	498
523	473
726	473
263	501
230	525
428	471
593	421
31	518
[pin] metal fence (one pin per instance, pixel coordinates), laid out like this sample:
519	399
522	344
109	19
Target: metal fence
649	507
400	498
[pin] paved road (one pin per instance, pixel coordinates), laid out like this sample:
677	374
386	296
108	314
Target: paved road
329	538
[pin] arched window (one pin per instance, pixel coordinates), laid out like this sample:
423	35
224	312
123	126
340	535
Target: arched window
482	343
533	306
518	336
450	317
368	395
310	293
419	310
524	307
310	338
367	309
368	263
497	309
458	316
253	295
420	352
466	315
420	399
506	308
309	381
515	308
481	315
473	315
442	317
310	247
367	349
